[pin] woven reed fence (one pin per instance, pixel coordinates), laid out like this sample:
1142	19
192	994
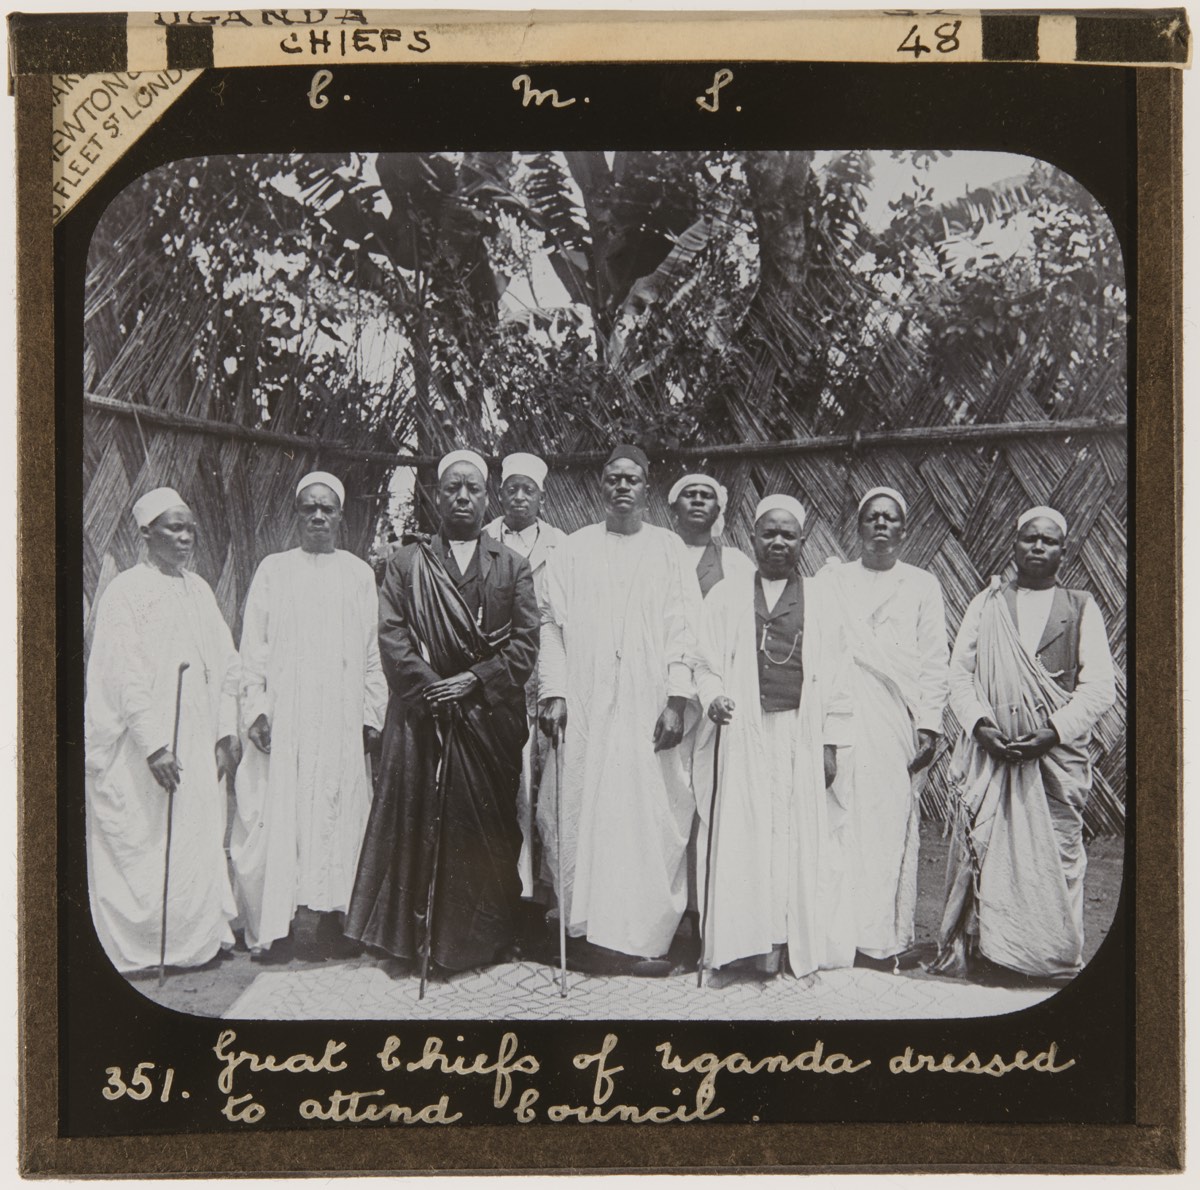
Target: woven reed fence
240	488
820	391
963	503
964	492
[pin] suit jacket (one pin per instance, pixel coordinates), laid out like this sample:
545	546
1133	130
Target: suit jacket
548	540
507	602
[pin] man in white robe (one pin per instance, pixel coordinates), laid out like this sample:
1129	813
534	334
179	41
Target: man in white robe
521	528
894	622
151	620
697	503
617	647
1030	675
769	675
313	701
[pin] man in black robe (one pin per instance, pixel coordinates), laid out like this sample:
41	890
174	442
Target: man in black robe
458	638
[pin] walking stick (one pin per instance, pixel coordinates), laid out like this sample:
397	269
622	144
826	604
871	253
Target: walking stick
162	937
440	786
708	855
534	789
562	909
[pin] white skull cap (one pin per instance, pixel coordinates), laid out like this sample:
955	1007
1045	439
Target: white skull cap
463	456
330	481
525	464
891	493
722	497
153	504
783	504
1044	510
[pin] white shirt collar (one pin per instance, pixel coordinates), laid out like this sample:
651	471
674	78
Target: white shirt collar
463	552
526	536
772	589
1033	613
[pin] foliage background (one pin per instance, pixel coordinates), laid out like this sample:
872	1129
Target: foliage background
386	306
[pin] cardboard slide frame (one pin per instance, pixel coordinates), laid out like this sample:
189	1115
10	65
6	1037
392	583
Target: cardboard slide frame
1150	1138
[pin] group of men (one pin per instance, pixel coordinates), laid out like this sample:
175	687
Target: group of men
643	732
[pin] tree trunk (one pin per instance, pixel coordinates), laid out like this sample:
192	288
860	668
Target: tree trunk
594	179
428	437
782	189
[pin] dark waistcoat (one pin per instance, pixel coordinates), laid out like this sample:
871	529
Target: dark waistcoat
709	570
1058	650
781	633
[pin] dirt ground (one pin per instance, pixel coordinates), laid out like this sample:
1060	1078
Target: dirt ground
210	990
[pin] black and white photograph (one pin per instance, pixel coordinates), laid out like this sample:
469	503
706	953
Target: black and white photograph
677	585
577	581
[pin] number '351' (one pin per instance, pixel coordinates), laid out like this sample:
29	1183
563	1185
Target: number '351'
139	1085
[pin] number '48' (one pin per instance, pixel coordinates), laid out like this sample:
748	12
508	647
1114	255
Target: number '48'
947	40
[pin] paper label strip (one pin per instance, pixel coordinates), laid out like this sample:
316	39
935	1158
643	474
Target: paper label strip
187	40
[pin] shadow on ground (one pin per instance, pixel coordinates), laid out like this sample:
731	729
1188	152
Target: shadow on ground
212	989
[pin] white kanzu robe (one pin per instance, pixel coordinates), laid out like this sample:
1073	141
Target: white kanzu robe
536	543
147	623
310	662
618	638
894	625
778	867
732	563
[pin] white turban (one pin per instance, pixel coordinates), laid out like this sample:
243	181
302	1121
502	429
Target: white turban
153	504
522	464
708	481
462	456
1042	510
891	493
783	504
330	481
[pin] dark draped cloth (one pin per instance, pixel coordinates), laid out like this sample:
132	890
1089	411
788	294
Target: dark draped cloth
709	570
435	623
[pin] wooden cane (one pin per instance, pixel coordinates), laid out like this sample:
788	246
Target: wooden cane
708	856
440	794
562	909
162	936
